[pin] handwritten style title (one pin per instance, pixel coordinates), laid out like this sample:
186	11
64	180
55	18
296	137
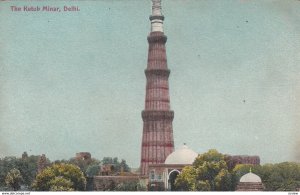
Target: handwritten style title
44	8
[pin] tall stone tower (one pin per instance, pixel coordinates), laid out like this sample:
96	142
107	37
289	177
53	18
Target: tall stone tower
157	141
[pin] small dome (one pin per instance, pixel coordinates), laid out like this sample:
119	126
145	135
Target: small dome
250	177
182	155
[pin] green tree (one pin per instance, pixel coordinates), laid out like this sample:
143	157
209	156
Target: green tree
124	166
92	170
117	165
186	181
281	177
110	185
83	164
13	179
130	186
45	181
209	172
6	164
61	184
27	167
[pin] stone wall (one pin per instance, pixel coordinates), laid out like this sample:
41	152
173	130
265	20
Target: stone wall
108	183
249	186
242	159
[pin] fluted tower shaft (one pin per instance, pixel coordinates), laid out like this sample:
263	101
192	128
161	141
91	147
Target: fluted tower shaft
157	140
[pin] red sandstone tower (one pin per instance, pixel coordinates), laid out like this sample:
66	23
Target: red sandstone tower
157	142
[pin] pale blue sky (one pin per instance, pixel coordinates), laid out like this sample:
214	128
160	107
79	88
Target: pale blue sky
74	81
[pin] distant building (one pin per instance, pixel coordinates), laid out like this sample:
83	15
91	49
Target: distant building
42	163
24	156
83	156
162	176
233	160
107	169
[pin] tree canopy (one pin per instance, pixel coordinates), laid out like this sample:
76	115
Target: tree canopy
130	186
209	172
60	177
118	166
28	168
13	179
92	170
27	165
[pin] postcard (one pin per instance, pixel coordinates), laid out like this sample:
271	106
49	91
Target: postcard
149	95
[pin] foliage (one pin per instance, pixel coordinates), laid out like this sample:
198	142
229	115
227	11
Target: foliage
47	179
130	186
13	179
209	172
110	185
84	164
91	167
281	177
186	180
92	170
118	166
27	167
124	166
61	184
6	164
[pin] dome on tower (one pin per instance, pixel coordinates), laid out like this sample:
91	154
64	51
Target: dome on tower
250	178
182	155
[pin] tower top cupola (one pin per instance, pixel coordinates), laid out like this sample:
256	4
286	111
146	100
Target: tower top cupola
156	18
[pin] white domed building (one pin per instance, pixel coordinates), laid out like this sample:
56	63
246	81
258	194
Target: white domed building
162	176
250	182
182	155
